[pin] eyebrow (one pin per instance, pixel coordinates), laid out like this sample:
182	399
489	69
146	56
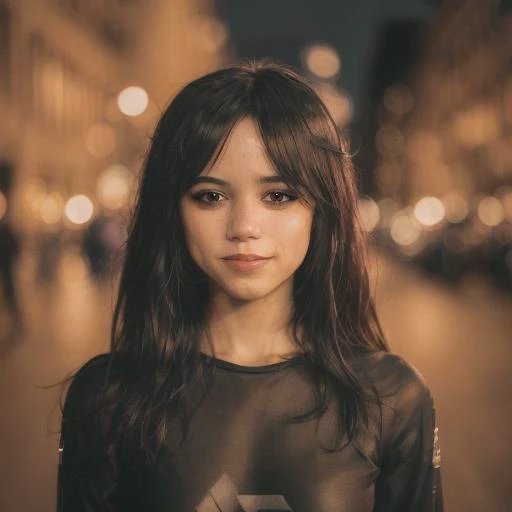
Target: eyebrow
217	181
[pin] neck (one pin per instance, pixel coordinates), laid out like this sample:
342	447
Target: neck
249	332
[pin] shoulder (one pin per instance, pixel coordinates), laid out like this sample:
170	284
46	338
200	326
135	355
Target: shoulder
87	382
391	374
401	388
92	371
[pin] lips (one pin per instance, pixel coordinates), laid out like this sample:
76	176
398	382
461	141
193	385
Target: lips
246	266
245	257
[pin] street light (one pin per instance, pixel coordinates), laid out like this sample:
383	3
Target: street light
133	101
79	209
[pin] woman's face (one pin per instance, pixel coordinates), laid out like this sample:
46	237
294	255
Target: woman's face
251	211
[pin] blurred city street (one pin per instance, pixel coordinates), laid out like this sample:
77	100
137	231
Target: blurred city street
459	339
422	90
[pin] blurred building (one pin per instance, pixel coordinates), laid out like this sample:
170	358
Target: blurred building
444	148
450	129
60	60
63	64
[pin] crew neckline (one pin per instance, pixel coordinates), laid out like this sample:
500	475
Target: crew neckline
266	368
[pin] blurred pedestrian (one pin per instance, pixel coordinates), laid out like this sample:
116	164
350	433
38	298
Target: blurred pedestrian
102	244
95	249
9	251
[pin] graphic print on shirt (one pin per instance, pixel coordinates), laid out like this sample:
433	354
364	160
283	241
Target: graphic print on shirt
224	497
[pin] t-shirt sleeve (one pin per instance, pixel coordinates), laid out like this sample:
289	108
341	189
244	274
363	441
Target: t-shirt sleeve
81	448
410	478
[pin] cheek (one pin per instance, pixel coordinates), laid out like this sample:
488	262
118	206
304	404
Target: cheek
197	235
191	227
201	233
293	232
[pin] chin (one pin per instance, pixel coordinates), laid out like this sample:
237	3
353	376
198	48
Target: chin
247	291
248	295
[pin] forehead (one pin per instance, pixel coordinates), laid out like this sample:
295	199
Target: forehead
243	152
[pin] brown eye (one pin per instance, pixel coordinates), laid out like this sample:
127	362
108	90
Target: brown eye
278	196
213	196
210	195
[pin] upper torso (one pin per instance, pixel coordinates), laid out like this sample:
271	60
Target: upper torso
241	454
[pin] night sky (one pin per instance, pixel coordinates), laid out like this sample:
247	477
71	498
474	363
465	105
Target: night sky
281	28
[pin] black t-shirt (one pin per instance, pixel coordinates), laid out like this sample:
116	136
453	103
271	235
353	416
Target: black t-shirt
241	454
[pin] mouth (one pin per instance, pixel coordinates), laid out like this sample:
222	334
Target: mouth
244	265
245	257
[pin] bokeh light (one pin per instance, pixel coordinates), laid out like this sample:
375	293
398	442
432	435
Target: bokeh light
337	101
133	101
387	208
403	231
398	99
212	34
490	211
114	187
33	194
79	209
51	208
456	208
322	60
100	140
476	126
370	214
429	211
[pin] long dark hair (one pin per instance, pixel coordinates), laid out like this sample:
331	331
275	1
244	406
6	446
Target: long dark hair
159	316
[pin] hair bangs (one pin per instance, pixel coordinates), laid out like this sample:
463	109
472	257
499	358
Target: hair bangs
302	141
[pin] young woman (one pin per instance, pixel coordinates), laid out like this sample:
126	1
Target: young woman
248	371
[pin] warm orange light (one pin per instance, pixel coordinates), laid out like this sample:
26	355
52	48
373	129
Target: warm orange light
456	208
490	211
370	214
322	60
51	208
387	209
403	231
212	34
429	211
33	194
100	140
114	187
337	101
133	101
477	126
79	209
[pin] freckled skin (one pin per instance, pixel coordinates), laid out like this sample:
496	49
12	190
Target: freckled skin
246	217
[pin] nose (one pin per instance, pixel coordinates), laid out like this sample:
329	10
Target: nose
244	221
